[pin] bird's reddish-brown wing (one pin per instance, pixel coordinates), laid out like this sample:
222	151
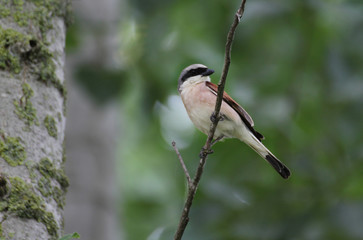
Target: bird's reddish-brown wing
246	118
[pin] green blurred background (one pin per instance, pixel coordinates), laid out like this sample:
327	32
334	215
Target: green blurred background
296	68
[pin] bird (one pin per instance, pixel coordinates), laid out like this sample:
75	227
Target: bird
199	96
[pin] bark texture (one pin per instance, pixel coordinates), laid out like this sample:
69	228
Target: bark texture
32	119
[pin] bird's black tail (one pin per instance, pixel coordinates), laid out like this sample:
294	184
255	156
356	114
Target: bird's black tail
258	146
278	166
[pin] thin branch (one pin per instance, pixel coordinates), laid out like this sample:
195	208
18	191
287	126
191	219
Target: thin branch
215	141
182	163
206	150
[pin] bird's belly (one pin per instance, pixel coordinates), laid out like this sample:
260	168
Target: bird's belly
201	119
200	104
227	128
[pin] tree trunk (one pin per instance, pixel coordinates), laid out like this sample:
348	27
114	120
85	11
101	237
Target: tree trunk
32	119
92	128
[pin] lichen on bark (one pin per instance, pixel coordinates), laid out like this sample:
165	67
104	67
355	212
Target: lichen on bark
23	202
48	170
12	151
52	183
43	11
24	107
18	51
30	48
51	126
12	43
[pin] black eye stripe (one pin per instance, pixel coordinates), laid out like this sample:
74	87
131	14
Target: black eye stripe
193	72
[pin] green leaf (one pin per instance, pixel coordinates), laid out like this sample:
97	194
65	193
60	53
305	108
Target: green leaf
70	236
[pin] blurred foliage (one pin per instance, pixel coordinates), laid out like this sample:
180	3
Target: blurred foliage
101	83
296	68
70	236
73	37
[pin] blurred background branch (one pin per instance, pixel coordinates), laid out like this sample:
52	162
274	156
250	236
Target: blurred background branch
187	175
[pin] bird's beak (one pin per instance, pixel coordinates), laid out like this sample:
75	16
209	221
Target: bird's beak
208	72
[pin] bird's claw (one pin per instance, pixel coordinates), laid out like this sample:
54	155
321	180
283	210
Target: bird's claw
214	118
204	152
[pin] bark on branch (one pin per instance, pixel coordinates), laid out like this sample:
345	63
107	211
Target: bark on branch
206	150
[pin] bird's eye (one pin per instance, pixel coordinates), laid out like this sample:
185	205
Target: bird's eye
193	72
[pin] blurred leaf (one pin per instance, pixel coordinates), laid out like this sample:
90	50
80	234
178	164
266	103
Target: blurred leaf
70	236
102	84
73	37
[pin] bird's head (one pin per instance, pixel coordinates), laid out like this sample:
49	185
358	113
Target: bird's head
194	73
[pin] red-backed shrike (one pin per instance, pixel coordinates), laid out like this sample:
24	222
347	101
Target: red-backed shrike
199	97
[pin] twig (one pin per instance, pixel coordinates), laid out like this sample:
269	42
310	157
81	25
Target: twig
215	141
182	163
184	219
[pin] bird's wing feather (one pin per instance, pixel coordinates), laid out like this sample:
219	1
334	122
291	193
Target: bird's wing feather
246	118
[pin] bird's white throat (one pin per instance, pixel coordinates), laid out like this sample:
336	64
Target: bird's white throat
192	81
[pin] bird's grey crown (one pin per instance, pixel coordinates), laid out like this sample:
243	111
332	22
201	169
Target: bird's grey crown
191	71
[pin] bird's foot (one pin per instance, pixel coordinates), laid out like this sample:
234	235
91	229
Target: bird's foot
214	118
204	152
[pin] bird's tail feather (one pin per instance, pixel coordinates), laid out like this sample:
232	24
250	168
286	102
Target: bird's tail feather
278	165
269	157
